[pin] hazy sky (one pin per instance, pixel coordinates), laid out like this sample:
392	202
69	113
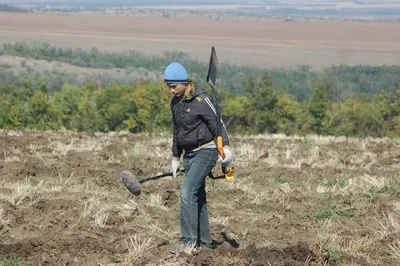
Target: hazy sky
133	2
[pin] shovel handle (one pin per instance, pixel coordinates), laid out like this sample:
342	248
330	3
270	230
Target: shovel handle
221	152
228	171
220	146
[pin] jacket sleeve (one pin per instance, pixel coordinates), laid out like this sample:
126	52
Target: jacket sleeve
176	149
210	117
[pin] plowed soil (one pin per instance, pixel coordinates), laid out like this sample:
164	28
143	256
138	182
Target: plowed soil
294	201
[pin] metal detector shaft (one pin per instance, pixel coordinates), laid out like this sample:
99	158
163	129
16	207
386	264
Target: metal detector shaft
157	177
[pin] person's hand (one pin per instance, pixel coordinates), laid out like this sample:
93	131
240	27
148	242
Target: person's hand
176	163
228	157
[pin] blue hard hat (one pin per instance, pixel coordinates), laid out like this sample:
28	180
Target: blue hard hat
175	73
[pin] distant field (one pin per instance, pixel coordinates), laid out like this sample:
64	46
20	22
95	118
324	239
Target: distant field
203	7
300	5
386	4
264	43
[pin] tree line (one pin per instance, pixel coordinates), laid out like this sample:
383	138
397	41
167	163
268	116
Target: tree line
347	81
144	107
12	8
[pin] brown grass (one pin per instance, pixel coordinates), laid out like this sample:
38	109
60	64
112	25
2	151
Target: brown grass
261	43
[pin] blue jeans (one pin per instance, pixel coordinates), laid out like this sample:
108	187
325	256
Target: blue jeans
195	226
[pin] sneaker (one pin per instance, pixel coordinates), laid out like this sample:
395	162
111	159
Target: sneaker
210	246
180	247
205	248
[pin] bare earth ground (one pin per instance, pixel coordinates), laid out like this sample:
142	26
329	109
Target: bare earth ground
266	43
294	201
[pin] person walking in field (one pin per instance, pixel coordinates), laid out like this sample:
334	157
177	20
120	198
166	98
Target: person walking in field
194	136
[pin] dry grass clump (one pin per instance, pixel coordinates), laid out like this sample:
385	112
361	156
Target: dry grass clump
19	191
137	248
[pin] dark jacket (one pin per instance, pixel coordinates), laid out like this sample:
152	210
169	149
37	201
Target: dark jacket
195	122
